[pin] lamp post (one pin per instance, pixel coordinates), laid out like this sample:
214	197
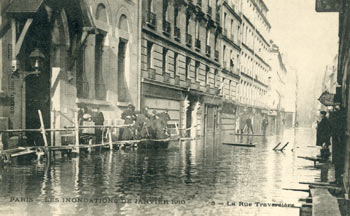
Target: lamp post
36	58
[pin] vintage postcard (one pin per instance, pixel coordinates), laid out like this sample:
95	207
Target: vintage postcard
174	107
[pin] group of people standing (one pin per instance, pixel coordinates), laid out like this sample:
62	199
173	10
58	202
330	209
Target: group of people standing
144	124
139	125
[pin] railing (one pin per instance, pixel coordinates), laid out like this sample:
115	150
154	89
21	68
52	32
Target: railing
216	55
189	40
166	27
207	50
152	19
198	44
177	35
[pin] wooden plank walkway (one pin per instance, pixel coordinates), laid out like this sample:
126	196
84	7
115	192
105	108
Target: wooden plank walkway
323	203
314	159
240	144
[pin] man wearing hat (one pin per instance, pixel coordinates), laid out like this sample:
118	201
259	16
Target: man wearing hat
323	134
129	116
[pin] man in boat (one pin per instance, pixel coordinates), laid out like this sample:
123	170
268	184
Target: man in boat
165	117
158	127
264	125
99	119
129	116
140	123
323	135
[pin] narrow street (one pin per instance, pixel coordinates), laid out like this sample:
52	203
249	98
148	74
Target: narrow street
188	178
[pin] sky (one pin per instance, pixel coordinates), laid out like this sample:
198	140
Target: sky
308	40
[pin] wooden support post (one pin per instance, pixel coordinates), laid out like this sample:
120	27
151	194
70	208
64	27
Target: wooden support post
276	146
1	143
284	146
110	139
42	128
90	143
76	131
177	129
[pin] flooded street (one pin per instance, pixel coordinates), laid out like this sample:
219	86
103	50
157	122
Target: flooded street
188	178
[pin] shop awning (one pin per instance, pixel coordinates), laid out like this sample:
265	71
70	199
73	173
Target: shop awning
24	6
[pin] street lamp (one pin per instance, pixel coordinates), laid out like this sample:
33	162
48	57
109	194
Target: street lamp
36	59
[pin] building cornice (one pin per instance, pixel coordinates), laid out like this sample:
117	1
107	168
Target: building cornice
232	11
256	55
232	43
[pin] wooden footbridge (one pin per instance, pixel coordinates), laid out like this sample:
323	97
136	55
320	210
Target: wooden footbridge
73	148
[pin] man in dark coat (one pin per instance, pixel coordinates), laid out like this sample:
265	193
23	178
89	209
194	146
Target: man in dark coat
323	131
264	125
129	116
98	119
249	125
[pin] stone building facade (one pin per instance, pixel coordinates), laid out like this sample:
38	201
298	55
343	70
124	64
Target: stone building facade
181	62
88	57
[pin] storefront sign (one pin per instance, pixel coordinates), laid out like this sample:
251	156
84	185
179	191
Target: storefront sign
327	5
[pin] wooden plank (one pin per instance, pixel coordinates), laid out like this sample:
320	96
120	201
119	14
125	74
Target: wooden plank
240	144
22	36
76	126
25	152
296	189
110	138
317	183
246	134
323	203
42	128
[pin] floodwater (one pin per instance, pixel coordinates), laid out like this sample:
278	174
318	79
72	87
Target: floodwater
198	177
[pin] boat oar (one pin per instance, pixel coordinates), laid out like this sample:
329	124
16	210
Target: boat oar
276	146
284	147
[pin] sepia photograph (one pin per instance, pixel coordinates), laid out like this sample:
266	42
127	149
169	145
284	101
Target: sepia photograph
175	107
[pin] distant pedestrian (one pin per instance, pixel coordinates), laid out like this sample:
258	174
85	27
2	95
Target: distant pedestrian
324	134
249	125
264	125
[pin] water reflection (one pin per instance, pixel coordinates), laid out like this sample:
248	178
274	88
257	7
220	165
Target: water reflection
195	172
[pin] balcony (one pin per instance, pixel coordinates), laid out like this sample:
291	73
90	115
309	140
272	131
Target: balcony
152	20
216	55
188	40
177	34
207	50
166	28
198	45
152	73
209	11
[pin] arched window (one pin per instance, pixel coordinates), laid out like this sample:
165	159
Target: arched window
101	13
123	23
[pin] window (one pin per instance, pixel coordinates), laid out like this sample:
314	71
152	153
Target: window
149	55
122	93
175	64
165	60
187	69
197	29
229	88
223	56
100	91
207	72
208	37
196	71
165	10
215	77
